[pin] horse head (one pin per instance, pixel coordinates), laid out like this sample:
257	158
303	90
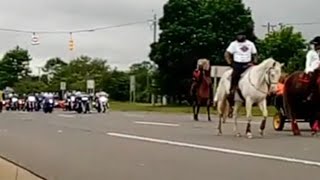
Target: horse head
272	73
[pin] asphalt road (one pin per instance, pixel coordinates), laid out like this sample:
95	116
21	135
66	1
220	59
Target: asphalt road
138	146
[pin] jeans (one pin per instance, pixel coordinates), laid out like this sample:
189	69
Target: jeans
238	69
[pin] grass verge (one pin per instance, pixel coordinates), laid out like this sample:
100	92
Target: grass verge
126	106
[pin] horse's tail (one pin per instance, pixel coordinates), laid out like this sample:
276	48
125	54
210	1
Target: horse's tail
220	97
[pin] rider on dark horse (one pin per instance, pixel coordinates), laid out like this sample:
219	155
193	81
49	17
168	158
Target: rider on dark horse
197	78
312	63
240	55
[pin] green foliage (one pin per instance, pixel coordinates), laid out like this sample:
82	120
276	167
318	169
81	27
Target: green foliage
144	74
30	85
78	71
53	65
193	29
14	66
116	83
285	46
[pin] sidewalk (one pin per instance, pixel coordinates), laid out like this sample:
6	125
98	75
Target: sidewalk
9	171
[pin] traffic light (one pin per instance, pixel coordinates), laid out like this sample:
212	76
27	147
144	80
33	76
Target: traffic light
71	45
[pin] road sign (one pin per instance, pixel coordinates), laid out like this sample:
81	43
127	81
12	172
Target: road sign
132	83
63	86
90	84
217	71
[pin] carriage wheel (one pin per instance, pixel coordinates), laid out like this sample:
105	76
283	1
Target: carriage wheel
278	122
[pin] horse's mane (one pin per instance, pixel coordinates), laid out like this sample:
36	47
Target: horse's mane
205	63
268	63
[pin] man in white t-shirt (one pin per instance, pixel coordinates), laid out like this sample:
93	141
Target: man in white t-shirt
313	63
240	54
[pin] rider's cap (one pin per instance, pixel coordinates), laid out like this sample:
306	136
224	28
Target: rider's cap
315	41
240	33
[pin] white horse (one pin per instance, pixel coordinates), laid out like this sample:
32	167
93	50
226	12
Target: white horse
255	84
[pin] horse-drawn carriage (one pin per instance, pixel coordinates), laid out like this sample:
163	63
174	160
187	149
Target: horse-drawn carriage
296	104
281	117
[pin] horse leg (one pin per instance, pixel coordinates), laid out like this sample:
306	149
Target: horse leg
227	108
235	118
220	124
291	109
208	110
249	116
220	110
264	110
195	116
198	109
315	126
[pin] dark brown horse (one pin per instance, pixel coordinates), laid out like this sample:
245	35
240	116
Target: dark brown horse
201	92
296	92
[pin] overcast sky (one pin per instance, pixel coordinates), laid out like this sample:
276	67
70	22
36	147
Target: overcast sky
121	46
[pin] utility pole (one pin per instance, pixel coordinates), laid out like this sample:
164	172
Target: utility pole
39	73
270	27
282	26
155	21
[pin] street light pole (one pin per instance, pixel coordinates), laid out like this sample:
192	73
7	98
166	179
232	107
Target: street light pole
155	21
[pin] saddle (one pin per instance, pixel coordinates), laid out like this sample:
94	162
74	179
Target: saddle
306	78
243	74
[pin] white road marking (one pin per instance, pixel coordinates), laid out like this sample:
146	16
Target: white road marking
217	149
245	122
134	115
156	123
66	116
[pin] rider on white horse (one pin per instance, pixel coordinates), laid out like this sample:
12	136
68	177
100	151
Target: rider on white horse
240	54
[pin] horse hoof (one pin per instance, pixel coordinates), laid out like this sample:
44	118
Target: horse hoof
261	133
219	134
209	120
297	134
238	135
249	135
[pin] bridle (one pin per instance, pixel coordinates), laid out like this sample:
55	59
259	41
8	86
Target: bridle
268	80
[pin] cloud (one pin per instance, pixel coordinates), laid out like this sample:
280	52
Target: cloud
121	46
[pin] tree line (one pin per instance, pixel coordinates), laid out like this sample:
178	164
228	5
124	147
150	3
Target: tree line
190	29
15	72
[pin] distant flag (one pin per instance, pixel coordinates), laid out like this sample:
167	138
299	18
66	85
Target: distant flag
35	39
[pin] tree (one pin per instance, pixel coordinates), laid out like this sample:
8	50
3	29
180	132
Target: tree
78	71
117	85
29	85
53	65
144	75
285	46
193	29
14	66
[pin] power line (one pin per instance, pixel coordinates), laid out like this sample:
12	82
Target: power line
73	31
303	23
